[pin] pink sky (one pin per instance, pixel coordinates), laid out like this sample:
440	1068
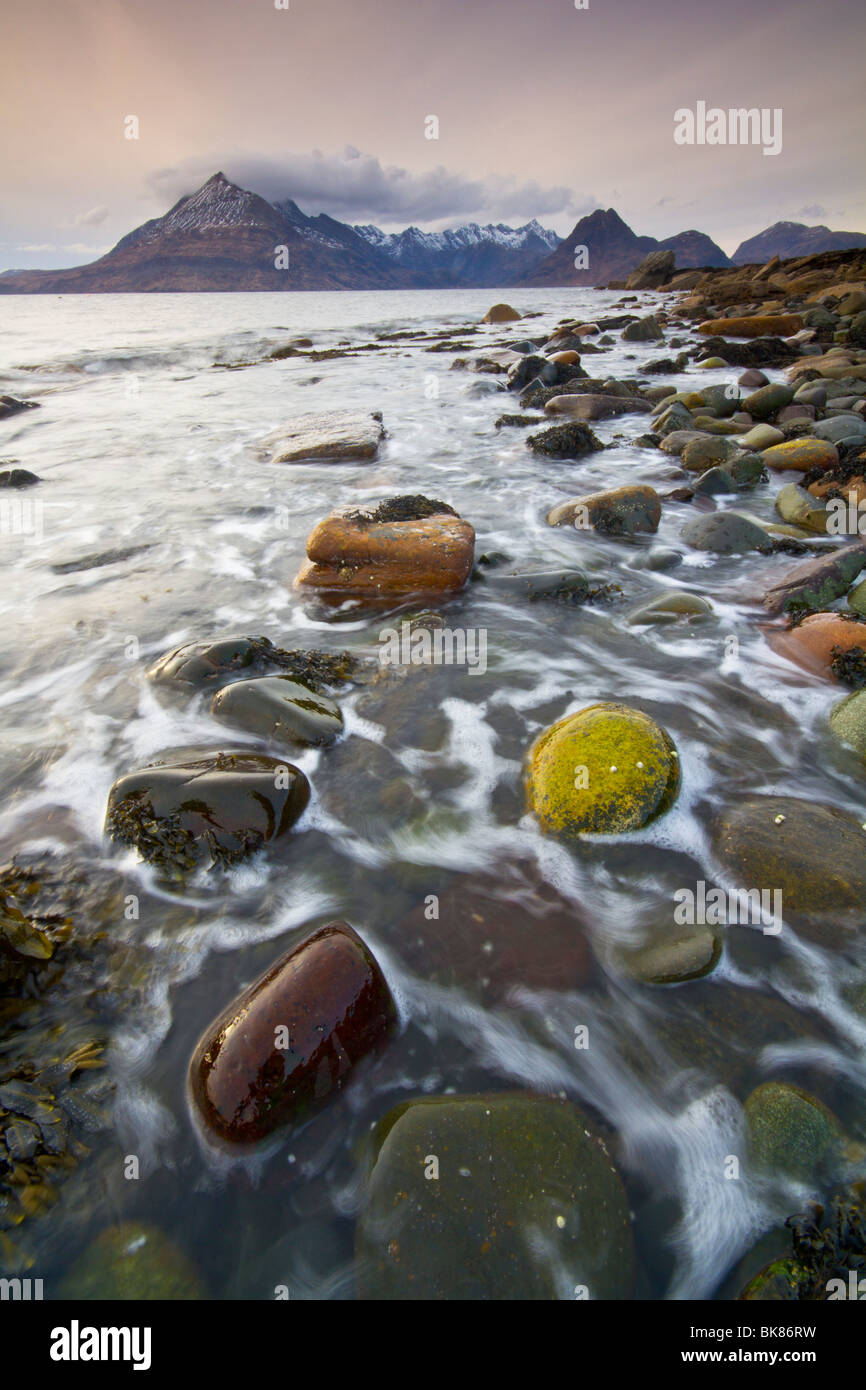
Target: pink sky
544	110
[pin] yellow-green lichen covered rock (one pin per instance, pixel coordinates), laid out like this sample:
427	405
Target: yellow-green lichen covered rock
605	770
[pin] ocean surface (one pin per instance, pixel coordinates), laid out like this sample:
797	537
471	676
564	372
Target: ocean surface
148	448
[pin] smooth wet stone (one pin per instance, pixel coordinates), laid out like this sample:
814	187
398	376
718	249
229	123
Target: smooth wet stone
756	326
713	362
490	944
564	585
591	407
501	313
840	429
762	437
570	441
801	454
815	855
326	437
608	769
764	402
660	559
704	453
221	806
11	405
816	583
17	478
670	607
527	1204
857	598
401	546
200	664
814	642
642	331
687	953
624	511
725	533
714	483
795	504
813	393
752	379
789	1131
277	707
676	441
284	1046
132	1262
848	721
747	470
567	358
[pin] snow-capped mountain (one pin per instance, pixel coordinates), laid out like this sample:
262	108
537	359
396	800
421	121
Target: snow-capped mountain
470	255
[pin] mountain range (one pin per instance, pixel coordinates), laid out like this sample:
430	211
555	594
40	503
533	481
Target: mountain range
223	237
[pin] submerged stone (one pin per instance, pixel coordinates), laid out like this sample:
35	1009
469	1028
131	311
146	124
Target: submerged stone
608	769
223	807
525	1204
326	437
790	1131
132	1262
277	707
292	1039
199	664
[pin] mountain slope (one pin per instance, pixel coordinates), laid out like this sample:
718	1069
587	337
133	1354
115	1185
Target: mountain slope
221	238
786	239
471	256
613	251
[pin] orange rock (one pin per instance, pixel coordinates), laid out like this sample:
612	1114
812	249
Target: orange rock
810	645
800	454
855	486
359	554
569	358
758	326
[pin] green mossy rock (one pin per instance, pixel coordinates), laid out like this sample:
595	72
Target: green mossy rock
278	707
848	721
857	598
628	764
527	1204
778	1282
132	1262
790	1131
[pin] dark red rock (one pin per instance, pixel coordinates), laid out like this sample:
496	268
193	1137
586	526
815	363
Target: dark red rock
332	998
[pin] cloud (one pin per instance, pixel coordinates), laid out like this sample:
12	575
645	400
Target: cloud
811	210
74	248
357	187
93	218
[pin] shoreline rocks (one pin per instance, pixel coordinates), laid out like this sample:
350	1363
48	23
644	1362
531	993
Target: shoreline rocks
326	437
403	546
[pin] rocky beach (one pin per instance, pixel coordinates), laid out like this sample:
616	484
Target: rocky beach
336	959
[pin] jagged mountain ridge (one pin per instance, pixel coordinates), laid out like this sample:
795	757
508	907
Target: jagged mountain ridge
613	250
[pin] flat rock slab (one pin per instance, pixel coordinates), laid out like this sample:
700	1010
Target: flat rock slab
328	436
591	407
372	553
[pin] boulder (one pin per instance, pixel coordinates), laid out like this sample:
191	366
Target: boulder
402	546
622	512
18	477
132	1262
607	770
726	533
284	1046
818	582
764	402
790	1132
642	331
653	271
326	437
590	407
501	313
278	708
848	721
707	451
671	606
220	807
570	441
811	853
814	643
492	1198
202	664
757	326
801	455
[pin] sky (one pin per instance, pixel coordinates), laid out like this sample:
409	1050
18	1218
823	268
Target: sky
542	110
